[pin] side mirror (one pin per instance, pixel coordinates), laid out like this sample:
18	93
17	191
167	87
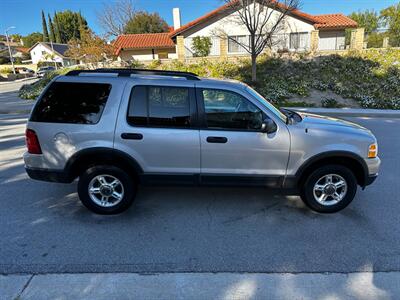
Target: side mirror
268	126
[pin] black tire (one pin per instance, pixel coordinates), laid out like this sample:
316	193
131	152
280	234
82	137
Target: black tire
127	181
307	188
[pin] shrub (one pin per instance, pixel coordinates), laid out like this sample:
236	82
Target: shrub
201	46
330	103
6	70
370	77
32	91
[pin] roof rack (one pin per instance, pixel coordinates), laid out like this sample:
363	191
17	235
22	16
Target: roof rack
129	72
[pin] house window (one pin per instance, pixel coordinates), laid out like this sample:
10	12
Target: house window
234	47
298	40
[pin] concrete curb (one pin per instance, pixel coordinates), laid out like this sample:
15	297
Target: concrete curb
18	80
360	285
350	112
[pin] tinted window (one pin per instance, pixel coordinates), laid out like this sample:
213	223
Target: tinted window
159	106
67	102
228	110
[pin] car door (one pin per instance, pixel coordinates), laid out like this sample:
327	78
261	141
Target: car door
156	126
232	144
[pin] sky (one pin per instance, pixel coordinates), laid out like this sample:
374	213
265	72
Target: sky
25	15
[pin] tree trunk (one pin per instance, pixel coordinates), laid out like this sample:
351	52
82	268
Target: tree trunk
254	68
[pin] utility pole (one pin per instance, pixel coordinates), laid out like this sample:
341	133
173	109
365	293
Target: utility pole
52	48
9	49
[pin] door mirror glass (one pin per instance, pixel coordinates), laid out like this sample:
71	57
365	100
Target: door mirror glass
268	126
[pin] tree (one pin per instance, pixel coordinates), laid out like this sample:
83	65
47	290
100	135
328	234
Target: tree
375	40
368	19
201	46
15	37
264	20
90	48
113	17
52	31
143	22
44	26
57	29
67	23
391	18
32	39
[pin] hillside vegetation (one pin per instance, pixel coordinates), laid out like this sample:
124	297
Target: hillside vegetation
372	78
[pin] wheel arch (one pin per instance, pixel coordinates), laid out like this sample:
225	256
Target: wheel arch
86	158
348	159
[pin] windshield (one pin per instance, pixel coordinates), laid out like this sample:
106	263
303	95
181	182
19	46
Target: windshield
271	107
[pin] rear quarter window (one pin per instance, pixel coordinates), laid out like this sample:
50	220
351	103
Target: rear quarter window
71	102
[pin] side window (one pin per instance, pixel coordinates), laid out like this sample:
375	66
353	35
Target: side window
159	106
71	102
228	110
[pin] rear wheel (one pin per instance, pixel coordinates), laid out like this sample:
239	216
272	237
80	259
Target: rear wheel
106	189
329	189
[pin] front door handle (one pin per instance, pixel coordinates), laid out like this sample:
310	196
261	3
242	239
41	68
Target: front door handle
217	139
132	136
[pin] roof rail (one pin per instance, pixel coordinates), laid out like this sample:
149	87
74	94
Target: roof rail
129	72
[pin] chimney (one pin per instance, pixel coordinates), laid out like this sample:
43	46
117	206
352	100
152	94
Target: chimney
177	17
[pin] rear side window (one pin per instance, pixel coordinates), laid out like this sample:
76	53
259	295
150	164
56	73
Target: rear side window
159	106
70	102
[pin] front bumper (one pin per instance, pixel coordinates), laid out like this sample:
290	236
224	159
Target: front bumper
370	179
373	165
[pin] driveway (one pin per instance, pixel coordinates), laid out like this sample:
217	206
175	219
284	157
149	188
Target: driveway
45	229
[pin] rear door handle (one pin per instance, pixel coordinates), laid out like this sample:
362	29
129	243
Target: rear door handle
217	139
132	136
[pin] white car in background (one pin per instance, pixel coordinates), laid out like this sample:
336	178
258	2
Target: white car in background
44	70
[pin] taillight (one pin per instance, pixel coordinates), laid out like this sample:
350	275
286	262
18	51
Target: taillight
32	142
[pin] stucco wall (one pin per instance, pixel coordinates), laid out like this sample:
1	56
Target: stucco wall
231	25
146	54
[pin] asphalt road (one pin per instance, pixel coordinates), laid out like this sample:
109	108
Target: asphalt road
44	228
9	101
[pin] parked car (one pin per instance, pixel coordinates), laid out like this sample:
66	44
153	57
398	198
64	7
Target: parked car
44	70
23	70
114	129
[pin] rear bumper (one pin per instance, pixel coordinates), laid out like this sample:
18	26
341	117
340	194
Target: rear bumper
48	175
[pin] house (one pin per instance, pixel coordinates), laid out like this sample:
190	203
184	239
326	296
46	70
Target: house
20	52
50	52
16	52
147	46
300	32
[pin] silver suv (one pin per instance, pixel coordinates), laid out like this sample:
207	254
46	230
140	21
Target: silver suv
116	128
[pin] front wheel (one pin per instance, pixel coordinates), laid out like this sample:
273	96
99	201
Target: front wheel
329	189
106	190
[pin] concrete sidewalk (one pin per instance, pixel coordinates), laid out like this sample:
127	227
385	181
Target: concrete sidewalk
363	285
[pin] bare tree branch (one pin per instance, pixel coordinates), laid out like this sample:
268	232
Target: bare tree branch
113	17
264	20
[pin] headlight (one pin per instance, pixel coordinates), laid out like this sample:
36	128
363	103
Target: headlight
373	150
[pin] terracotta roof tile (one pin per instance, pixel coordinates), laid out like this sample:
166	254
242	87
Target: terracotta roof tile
143	41
334	21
